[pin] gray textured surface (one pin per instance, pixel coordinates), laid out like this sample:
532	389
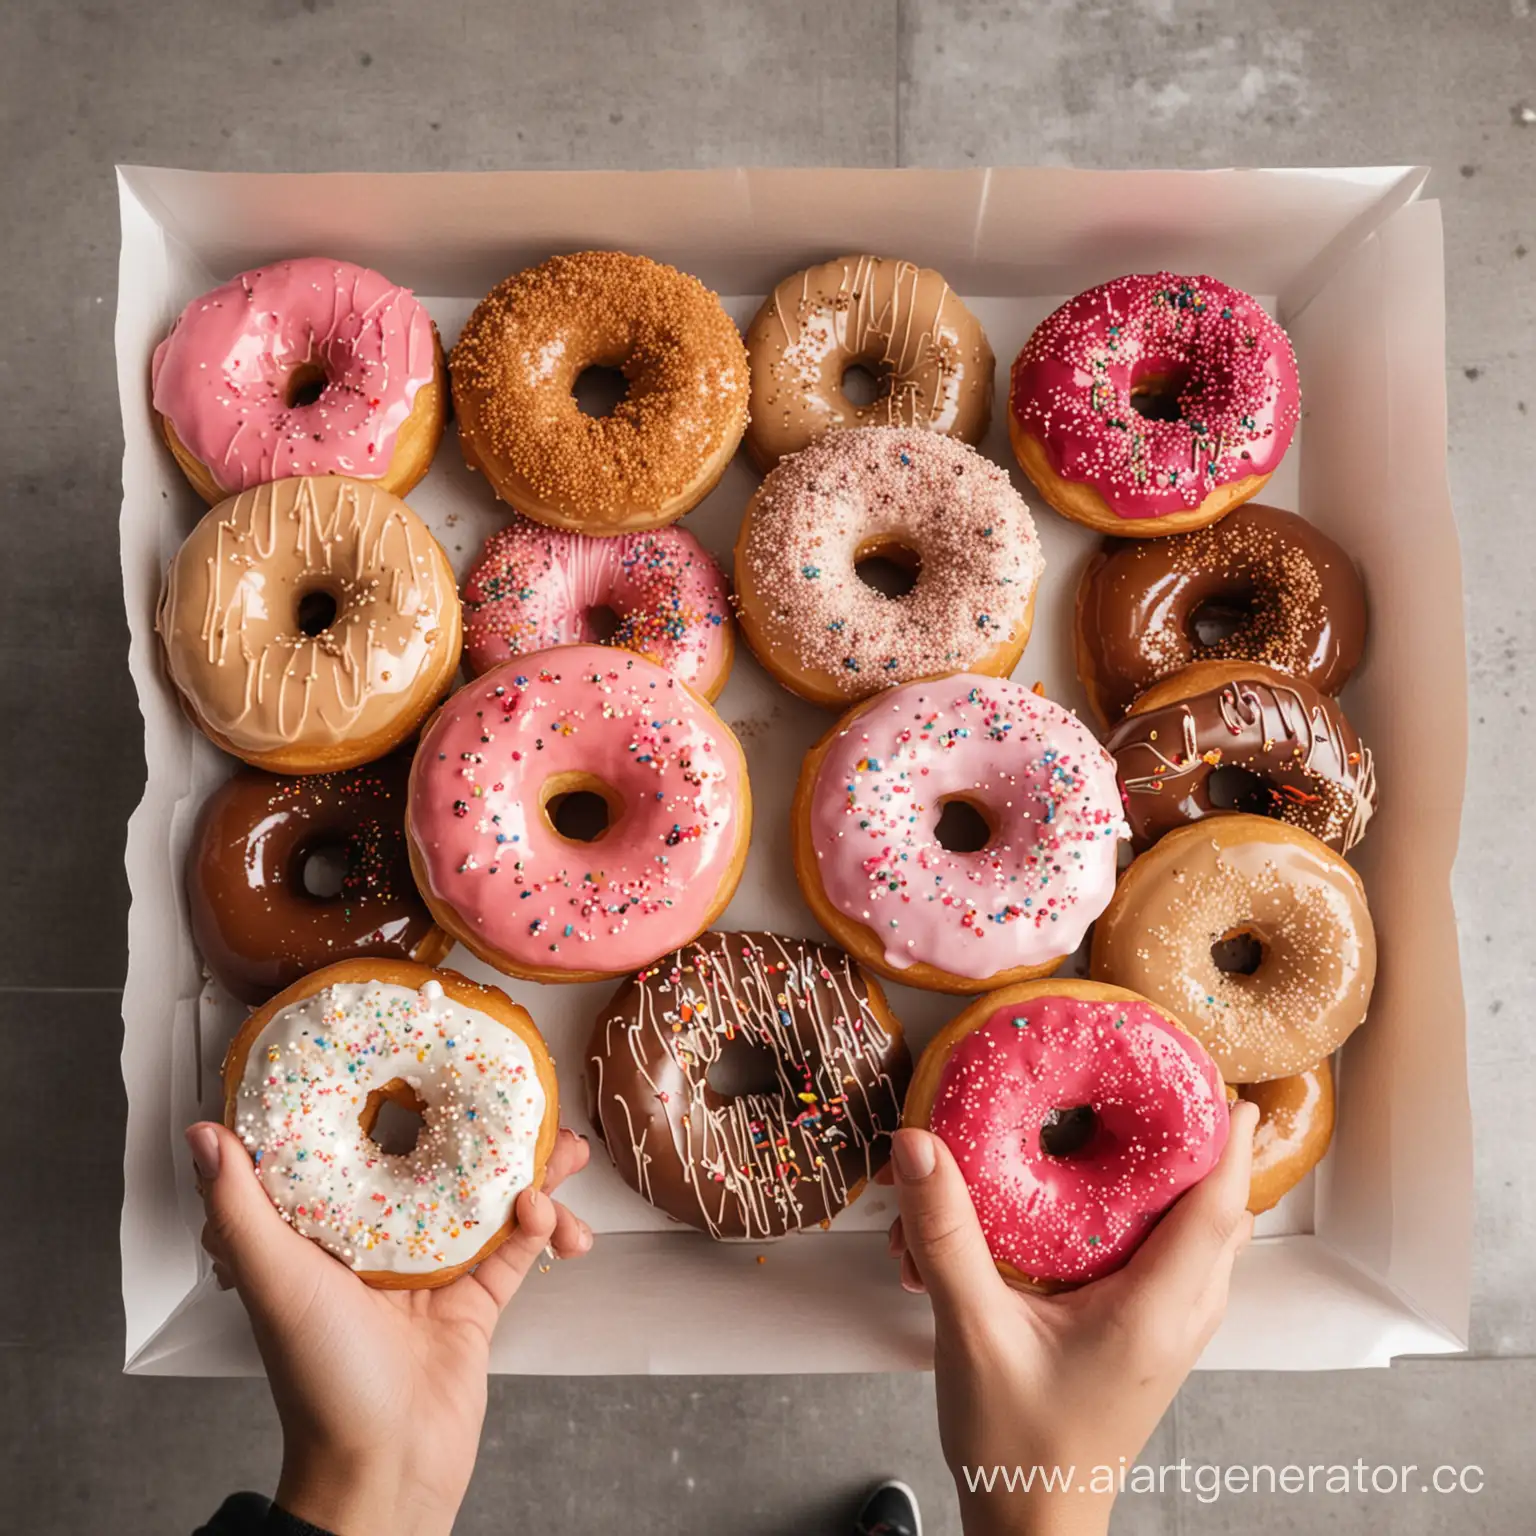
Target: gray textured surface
310	84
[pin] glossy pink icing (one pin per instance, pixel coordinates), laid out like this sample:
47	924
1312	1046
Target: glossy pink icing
1162	1123
534	587
1239	398
221	377
615	904
1046	787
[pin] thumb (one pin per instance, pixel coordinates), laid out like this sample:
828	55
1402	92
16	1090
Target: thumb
940	1226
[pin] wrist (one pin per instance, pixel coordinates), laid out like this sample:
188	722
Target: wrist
352	1496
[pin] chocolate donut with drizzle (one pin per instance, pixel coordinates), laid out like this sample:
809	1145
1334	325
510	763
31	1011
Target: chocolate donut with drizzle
1297	757
756	1164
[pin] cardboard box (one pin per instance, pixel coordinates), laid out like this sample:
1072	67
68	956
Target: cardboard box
1368	1259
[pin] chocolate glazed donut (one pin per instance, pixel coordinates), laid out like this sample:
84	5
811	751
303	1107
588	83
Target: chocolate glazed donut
1297	759
775	1158
257	926
1295	598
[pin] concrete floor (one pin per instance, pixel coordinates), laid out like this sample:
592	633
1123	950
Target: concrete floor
315	85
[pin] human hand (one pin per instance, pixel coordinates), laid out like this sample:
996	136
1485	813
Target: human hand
1078	1379
381	1393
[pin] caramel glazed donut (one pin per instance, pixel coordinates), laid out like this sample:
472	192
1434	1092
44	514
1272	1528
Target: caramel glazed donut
901	322
1295	1127
757	1164
291	691
667	442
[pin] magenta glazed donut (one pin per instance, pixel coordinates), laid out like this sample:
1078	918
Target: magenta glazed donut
536	587
1078	1113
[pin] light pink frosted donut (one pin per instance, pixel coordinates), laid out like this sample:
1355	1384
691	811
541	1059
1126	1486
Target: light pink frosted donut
225	378
535	587
485	849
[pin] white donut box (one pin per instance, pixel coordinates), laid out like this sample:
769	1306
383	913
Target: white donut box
1367	1259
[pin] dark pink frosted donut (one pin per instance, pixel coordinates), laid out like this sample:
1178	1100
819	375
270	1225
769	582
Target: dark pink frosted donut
1159	1125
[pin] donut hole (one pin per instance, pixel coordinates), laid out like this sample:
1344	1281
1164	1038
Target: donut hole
864	383
1155	395
1233	788
1220	617
744	1067
887	566
1238	952
305	385
962	826
317	612
579	807
392	1118
1069	1132
599	390
603	623
323	871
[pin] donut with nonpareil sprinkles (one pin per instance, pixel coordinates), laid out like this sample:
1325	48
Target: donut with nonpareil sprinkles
664	445
536	587
1153	404
1077	1113
1276	590
891	876
1254	933
1295	1127
576	814
919	499
305	1081
776	1158
309	367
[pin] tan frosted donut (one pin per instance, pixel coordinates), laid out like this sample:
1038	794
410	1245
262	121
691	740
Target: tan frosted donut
666	443
901	322
1245	877
284	687
1294	1130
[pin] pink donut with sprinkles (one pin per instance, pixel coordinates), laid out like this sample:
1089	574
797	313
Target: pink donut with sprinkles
576	814
1077	1113
1153	404
536	587
308	367
882	812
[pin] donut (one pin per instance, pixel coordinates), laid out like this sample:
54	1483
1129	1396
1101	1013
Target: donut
1244	881
306	1078
667	442
1296	757
769	1160
309	367
868	813
1295	1127
1078	1113
310	625
535	587
1294	598
921	499
579	904
255	924
1153	404
902	323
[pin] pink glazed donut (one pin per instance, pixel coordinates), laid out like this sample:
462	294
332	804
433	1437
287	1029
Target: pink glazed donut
1078	1113
1153	404
576	814
308	367
535	587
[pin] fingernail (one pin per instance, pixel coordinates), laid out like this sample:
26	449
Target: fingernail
912	1152
204	1142
584	1237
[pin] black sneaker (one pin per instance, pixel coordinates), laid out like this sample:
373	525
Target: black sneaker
891	1510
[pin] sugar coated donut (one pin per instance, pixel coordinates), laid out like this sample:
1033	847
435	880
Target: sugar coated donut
902	323
486	813
1295	1127
1292	753
536	587
667	441
919	498
867	815
306	1078
761	1163
1078	1113
310	367
1292	598
1195	901
254	922
1153	404
310	624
